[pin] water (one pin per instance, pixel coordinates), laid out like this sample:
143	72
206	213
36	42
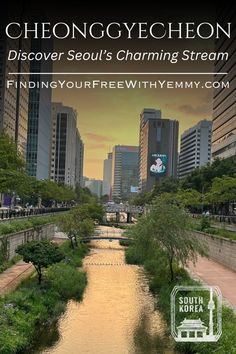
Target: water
116	315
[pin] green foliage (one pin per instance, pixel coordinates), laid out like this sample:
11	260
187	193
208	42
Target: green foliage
79	222
84	195
166	185
157	267
73	256
10	157
124	242
19	225
204	223
201	178
223	190
141	199
165	229
41	254
22	311
74	286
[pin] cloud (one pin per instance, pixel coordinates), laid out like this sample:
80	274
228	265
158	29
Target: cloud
98	137
200	110
96	146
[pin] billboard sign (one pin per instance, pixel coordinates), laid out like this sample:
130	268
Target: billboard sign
158	165
134	189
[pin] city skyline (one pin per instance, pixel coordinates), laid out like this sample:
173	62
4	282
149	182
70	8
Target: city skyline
100	137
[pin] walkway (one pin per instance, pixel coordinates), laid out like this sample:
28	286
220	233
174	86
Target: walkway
11	277
213	273
14	275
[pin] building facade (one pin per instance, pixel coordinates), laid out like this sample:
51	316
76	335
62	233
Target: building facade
124	171
63	144
79	159
195	148
158	149
107	175
13	96
39	115
224	100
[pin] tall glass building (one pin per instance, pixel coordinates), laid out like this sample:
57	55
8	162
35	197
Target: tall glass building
63	144
13	97
39	115
124	171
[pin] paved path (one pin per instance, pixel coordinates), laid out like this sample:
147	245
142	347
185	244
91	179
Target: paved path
14	275
11	277
214	273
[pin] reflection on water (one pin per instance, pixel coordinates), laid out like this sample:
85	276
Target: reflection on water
116	315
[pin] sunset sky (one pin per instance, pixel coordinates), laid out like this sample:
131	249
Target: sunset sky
107	117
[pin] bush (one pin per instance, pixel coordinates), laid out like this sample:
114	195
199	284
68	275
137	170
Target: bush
205	223
19	225
31	305
73	287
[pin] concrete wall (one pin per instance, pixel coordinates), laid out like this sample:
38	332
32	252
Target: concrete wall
221	250
18	238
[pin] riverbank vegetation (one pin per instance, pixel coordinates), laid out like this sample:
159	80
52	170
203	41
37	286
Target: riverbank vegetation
33	305
79	222
162	243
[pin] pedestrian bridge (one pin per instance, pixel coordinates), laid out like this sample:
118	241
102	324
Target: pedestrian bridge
107	235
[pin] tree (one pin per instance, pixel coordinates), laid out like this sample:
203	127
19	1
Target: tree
166	185
41	254
75	226
201	178
166	228
11	159
141	199
222	192
83	195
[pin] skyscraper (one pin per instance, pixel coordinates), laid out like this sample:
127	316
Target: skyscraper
14	100
158	149
195	148
39	115
224	99
107	174
79	159
63	144
124	171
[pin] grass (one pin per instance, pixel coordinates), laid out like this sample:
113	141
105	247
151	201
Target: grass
220	232
31	305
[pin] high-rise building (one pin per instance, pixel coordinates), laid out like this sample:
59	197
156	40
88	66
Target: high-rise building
195	148
63	144
158	148
124	171
39	115
13	96
107	174
79	159
94	185
224	99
